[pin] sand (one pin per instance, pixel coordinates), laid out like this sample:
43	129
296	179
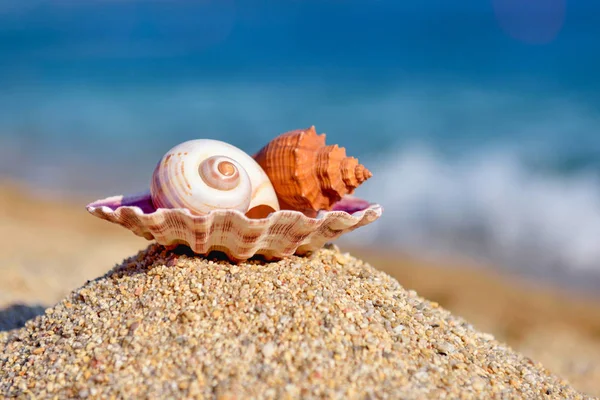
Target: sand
51	247
165	324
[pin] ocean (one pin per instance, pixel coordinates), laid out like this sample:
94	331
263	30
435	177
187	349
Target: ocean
479	119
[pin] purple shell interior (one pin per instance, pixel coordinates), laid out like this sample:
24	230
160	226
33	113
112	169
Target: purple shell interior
351	205
348	204
143	201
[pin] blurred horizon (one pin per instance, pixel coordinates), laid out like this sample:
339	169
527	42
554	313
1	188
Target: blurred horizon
478	119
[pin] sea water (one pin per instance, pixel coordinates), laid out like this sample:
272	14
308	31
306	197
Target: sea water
479	119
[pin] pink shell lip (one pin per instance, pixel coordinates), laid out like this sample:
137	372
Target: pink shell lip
143	201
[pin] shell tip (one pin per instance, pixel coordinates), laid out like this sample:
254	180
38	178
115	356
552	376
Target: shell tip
362	173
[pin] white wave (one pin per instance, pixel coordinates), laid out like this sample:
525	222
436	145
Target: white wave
487	205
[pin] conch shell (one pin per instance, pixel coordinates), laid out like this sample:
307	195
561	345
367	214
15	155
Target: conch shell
212	196
308	175
204	175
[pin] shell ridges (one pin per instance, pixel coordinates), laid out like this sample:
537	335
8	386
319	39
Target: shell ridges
279	235
307	174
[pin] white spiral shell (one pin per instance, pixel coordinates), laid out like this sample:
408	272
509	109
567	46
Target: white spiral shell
204	175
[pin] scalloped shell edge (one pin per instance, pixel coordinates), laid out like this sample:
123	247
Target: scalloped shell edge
281	234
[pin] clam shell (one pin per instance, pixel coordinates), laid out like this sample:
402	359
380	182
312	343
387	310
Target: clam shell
308	175
281	234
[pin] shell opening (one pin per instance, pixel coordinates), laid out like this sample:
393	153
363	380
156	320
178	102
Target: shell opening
219	172
260	211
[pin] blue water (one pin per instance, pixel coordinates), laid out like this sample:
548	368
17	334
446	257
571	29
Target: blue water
479	119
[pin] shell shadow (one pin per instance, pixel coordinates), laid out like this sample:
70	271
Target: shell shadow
16	315
216	255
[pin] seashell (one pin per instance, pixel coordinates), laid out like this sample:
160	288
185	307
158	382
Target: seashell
211	196
308	175
204	175
279	235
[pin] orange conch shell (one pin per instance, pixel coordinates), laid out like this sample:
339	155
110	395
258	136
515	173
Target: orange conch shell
306	174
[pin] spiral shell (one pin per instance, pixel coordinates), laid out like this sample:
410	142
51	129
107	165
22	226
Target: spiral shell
308	175
204	175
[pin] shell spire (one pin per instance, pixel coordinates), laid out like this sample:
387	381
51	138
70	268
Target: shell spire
307	174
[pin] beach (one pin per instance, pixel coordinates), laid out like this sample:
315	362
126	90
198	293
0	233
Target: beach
52	247
477	120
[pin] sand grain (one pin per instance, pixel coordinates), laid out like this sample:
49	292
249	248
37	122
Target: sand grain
164	324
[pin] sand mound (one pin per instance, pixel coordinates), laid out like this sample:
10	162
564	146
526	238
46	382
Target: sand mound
164	324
